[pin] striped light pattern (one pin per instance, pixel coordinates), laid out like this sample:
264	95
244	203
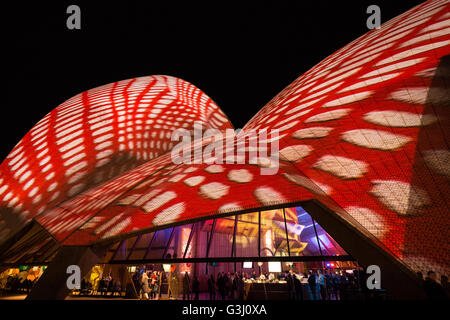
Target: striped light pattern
95	136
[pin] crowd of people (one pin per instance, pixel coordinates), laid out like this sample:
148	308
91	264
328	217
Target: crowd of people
191	289
147	284
106	286
321	284
326	284
224	286
227	286
15	284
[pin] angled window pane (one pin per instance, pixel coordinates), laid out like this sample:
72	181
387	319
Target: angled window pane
307	234
273	234
222	238
200	239
159	244
141	247
328	245
247	235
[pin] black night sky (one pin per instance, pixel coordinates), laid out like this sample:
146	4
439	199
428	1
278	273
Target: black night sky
241	55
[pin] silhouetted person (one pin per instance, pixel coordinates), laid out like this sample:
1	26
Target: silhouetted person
117	288
240	287
236	286
328	283
298	288
321	283
186	287
290	286
212	288
111	286
312	285
137	282
343	286
419	276
102	286
224	291
222	285
229	286
195	287
433	290
335	285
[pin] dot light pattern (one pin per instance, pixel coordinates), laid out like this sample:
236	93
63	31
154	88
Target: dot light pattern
375	117
365	132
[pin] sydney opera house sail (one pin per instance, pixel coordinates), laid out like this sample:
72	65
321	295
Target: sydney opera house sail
365	133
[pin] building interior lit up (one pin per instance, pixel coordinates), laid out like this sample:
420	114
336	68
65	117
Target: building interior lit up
263	245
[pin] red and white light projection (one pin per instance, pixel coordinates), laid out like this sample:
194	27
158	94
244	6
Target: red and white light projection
95	136
366	132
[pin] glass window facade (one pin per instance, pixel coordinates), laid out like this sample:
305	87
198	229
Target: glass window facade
286	232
